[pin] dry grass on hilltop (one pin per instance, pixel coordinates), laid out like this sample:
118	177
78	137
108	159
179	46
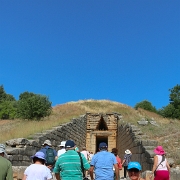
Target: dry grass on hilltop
167	133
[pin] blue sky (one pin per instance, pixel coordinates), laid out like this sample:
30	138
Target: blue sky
70	50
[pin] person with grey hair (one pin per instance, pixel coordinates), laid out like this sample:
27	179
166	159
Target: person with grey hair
5	165
71	164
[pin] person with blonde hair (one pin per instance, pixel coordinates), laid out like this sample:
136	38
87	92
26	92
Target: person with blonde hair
161	167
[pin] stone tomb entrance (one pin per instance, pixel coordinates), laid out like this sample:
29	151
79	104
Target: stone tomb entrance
101	128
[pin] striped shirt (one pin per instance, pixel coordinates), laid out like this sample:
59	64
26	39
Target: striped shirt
69	165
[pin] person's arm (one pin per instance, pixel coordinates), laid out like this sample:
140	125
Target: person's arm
123	161
116	171
86	164
57	176
9	175
91	171
24	177
155	164
168	167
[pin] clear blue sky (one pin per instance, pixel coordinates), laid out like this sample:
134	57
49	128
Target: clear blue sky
70	50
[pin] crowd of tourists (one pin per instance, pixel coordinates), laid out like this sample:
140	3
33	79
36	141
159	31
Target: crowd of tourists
69	163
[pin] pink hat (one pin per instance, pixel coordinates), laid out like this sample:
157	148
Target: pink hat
159	150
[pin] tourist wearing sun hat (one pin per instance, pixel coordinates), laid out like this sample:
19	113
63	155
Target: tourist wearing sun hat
62	149
37	170
126	160
134	171
5	165
160	166
46	146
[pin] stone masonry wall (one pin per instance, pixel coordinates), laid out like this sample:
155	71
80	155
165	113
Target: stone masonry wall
128	137
20	150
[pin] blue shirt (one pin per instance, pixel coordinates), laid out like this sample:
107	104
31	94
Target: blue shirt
103	163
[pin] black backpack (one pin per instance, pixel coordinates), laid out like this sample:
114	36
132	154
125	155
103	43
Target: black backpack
50	157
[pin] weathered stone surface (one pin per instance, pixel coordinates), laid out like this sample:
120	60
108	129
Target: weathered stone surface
143	123
19	141
127	136
20	150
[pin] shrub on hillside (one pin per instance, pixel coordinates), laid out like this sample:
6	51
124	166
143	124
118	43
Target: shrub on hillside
145	105
8	109
33	106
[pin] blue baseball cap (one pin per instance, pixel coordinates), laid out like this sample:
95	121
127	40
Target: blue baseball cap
102	145
69	144
135	165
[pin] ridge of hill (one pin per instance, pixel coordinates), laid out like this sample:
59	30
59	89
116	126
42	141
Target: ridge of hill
166	133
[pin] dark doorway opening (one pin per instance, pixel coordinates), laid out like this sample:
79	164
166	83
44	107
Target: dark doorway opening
100	139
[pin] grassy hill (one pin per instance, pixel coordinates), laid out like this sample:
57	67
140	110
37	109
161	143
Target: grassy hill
167	133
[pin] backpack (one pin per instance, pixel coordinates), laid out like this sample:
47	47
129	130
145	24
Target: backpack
50	157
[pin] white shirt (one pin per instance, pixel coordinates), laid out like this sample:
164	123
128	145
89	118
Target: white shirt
60	152
86	154
37	172
162	166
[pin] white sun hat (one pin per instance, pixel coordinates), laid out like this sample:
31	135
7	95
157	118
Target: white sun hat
127	151
48	142
62	144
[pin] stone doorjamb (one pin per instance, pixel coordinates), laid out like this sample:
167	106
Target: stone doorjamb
93	134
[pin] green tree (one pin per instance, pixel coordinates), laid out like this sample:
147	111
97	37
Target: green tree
33	106
8	109
7	105
145	105
172	110
166	111
2	94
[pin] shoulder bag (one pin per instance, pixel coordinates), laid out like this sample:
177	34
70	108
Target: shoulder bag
163	158
82	167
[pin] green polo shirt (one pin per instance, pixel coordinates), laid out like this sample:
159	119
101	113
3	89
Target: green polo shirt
5	169
69	165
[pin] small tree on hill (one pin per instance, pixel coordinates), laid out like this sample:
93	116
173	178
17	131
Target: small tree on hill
33	106
8	109
7	105
172	110
145	105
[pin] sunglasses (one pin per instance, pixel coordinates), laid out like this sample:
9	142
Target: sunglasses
133	170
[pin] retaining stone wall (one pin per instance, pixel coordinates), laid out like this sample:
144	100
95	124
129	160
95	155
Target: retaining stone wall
20	150
128	137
